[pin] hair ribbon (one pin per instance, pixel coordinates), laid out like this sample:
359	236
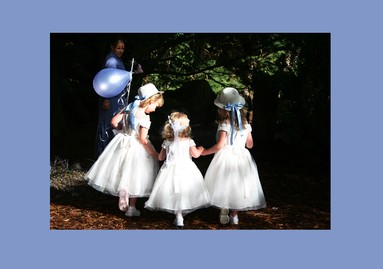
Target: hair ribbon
131	110
235	111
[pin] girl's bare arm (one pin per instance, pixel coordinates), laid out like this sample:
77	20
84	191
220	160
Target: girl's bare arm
249	141
196	152
219	145
144	141
116	119
162	154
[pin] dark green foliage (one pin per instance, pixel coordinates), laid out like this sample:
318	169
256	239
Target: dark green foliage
288	75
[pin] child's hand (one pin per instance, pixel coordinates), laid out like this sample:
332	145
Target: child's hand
195	152
203	152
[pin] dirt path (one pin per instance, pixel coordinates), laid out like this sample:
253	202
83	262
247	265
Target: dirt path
295	201
296	187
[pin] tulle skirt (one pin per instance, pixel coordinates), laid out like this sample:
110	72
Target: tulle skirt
124	165
178	187
232	180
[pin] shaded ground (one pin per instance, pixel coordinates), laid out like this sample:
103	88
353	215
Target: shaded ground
297	191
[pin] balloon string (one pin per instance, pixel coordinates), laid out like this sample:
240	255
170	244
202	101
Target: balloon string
107	136
130	82
124	100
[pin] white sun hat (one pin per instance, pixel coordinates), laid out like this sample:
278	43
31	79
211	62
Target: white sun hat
148	90
229	96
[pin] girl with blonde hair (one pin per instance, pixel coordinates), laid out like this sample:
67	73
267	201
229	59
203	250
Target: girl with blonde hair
129	164
179	187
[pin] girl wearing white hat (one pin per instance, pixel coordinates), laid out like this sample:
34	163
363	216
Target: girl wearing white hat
129	164
232	176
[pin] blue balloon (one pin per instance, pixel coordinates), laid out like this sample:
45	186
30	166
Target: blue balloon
110	82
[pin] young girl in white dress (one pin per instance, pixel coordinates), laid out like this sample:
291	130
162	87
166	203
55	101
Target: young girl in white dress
179	187
129	164
232	176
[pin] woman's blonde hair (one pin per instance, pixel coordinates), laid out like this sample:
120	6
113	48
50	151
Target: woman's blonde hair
224	116
182	119
154	98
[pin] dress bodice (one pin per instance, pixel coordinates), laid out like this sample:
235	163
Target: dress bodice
178	151
239	137
140	119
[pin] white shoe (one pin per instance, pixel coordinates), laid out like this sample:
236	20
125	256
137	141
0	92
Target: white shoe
234	220
179	221
132	212
224	216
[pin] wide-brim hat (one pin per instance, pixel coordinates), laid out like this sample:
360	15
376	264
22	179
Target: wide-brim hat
229	96
148	90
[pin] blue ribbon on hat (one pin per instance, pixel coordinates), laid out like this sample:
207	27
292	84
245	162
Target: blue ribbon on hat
131	110
234	108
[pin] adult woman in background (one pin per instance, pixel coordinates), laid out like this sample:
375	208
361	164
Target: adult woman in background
108	107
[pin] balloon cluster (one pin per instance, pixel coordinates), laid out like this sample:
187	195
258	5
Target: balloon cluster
110	82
